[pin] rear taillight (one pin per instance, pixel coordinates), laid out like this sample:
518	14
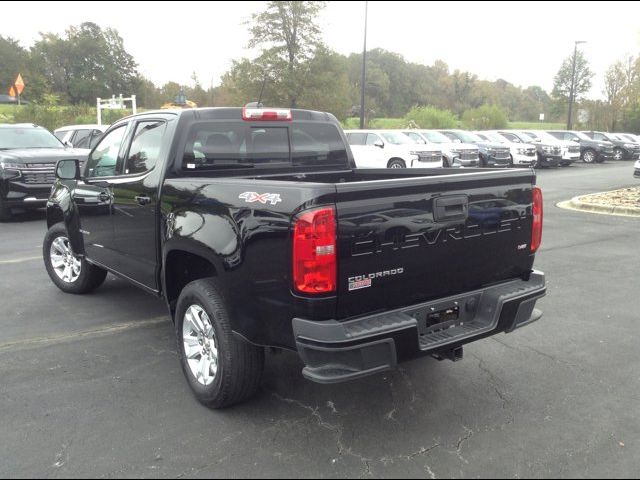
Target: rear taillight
314	251
266	114
536	232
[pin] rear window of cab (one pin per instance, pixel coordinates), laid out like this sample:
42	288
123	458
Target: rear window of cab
215	145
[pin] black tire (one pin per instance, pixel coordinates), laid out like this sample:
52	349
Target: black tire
483	161
239	364
589	156
396	163
446	163
510	164
90	277
5	212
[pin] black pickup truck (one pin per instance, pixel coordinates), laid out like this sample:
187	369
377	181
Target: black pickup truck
258	231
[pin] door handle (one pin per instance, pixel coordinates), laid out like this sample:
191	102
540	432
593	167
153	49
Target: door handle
142	200
104	196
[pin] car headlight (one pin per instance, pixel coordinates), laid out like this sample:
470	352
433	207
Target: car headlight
521	151
601	145
9	170
629	145
414	156
547	148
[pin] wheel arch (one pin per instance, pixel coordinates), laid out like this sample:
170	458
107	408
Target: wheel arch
184	262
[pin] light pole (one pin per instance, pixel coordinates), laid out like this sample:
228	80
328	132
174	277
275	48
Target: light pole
573	81
364	67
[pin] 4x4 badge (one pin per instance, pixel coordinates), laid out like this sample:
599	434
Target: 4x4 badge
264	198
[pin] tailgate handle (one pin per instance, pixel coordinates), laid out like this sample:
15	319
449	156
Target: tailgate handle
450	208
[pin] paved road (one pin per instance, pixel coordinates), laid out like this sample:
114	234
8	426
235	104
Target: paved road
91	387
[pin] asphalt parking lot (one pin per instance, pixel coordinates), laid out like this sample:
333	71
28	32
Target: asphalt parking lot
91	386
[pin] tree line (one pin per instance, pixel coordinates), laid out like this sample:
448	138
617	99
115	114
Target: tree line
295	68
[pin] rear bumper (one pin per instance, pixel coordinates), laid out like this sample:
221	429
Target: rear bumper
340	351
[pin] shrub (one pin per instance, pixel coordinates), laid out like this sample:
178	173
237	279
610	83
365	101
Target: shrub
486	117
430	117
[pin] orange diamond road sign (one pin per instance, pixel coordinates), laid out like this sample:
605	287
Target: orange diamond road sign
12	92
19	84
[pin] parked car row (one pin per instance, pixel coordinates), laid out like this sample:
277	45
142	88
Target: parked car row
492	148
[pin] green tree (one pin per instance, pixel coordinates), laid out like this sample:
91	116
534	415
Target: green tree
615	83
288	34
86	63
485	117
431	117
563	79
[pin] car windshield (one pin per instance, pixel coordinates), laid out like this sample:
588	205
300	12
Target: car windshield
397	138
581	136
544	136
435	137
27	137
493	137
468	137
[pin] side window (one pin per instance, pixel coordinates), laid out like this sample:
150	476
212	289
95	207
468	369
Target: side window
145	147
102	161
372	139
95	138
598	136
81	139
357	138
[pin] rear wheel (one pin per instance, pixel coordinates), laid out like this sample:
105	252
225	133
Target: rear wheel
70	273
396	163
221	369
5	212
589	156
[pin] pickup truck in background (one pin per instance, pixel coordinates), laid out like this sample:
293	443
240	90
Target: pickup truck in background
454	154
28	156
390	149
258	231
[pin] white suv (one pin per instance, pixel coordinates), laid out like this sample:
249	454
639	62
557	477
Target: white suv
456	154
391	149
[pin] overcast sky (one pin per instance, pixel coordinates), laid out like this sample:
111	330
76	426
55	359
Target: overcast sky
521	42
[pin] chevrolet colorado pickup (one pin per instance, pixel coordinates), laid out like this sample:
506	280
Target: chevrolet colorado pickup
258	231
28	156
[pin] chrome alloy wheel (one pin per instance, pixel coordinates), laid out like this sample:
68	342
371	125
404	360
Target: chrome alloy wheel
66	265
200	345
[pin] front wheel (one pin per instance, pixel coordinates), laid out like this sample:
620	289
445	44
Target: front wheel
221	369
70	273
397	163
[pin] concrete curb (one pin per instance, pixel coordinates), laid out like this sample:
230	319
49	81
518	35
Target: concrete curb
577	203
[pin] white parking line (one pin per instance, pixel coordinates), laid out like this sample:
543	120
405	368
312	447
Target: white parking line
97	332
20	260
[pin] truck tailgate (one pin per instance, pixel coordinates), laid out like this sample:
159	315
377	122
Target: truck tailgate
403	241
